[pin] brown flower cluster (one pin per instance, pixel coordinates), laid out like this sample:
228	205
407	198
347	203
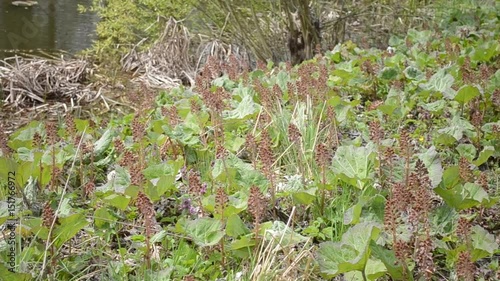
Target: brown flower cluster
138	129
476	114
88	189
463	229
221	200
70	124
414	201
405	144
294	134
172	114
251	146
146	209
465	268
423	256
257	204
483	181
51	131
323	155
266	154
465	170
48	215
468	76
376	132
195	186
213	100
495	98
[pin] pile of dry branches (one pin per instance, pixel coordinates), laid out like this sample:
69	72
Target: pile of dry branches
167	63
28	80
176	56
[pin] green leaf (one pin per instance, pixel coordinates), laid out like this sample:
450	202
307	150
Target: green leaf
390	261
103	143
467	150
414	73
441	82
486	153
351	253
117	200
9	168
458	126
351	216
434	106
7	275
467	93
464	196
484	243
305	197
103	218
246	107
389	73
235	226
355	165
431	160
205	231
69	227
285	235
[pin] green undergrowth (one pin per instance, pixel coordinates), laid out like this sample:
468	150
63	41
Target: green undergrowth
361	164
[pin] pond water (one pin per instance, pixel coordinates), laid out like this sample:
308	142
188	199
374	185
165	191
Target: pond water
49	26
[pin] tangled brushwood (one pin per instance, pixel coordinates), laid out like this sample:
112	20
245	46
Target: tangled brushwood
36	80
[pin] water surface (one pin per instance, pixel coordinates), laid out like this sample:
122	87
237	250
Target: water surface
52	25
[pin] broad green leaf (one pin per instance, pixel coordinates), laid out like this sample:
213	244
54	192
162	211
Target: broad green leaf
483	243
117	200
485	51
464	196
285	235
414	73
486	153
467	150
457	127
159	237
441	82
205	231
434	106
389	73
7	275
103	143
351	253
305	197
431	160
69	227
466	93
118	181
235	226
243	109
355	165
475	192
351	216
8	168
451	177
395	270
158	170
443	219
160	186
373	271
103	218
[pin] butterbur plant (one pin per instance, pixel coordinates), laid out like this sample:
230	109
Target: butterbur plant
145	207
257	206
266	156
323	160
376	165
